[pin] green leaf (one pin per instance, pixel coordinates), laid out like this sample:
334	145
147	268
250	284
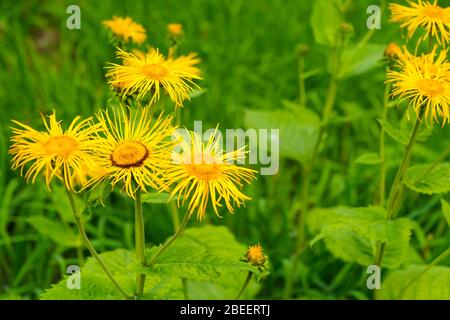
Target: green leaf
156	197
94	285
95	196
361	59
403	133
432	285
202	253
298	130
56	231
368	158
446	210
435	181
325	21
352	234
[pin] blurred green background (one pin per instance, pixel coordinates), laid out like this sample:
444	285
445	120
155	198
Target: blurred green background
249	60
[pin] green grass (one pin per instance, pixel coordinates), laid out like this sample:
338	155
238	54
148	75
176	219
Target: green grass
249	60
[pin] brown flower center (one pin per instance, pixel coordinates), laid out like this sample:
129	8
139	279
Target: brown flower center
62	146
129	154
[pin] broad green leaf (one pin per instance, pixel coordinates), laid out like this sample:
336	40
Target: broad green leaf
325	21
435	181
352	234
434	284
202	253
361	59
54	230
446	210
403	133
94	285
368	158
156	197
298	131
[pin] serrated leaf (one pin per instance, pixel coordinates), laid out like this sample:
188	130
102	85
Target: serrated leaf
361	59
202	253
434	284
352	234
403	133
325	21
94	285
446	210
56	231
435	181
298	132
156	197
369	158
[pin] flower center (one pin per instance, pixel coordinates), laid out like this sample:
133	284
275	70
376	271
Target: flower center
154	71
204	167
430	87
129	154
62	146
433	12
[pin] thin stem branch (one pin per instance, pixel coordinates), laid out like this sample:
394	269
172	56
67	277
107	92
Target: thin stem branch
441	257
397	189
171	240
382	191
247	281
140	240
89	246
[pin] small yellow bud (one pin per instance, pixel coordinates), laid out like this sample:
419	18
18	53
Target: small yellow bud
393	51
255	255
175	30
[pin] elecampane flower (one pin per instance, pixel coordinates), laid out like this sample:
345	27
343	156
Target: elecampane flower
135	148
203	173
425	82
126	29
430	16
65	155
151	72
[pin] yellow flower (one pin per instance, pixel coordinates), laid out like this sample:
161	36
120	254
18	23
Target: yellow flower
175	30
255	255
203	171
57	153
425	82
126	29
430	16
134	148
148	73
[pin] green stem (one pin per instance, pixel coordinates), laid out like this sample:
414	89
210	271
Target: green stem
140	240
304	191
301	80
247	281
382	146
395	194
171	240
174	214
89	246
441	257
